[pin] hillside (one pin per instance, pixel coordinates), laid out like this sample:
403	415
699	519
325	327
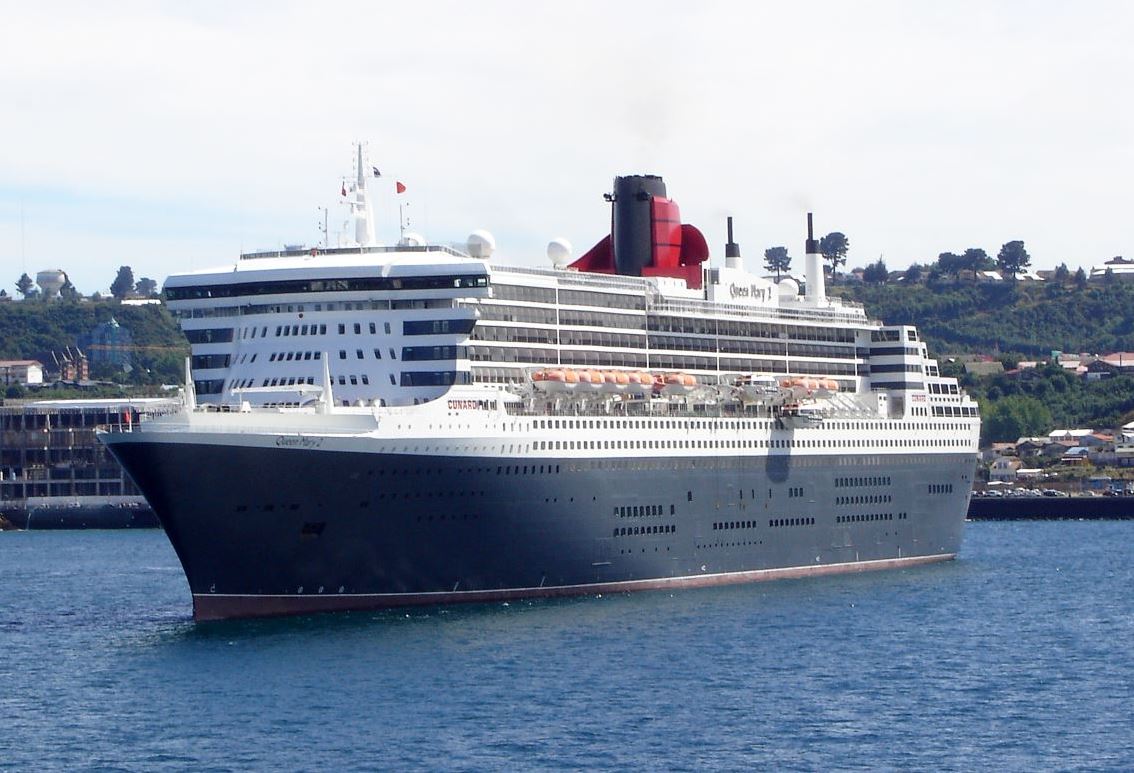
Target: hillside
1028	319
30	329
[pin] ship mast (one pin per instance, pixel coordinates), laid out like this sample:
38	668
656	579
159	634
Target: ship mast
360	207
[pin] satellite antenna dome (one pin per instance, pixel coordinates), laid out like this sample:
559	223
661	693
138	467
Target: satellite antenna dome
481	244
787	288
559	251
411	239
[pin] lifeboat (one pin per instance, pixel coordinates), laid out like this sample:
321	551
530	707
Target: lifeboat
615	381
678	383
639	383
590	380
555	380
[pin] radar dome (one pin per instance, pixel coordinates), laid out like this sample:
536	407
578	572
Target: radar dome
411	239
481	244
559	251
787	288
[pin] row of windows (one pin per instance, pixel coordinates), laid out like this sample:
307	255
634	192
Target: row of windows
896	368
512	354
579	445
529	335
888	351
421	378
795	491
213	335
880	480
207	361
574	317
438	327
356	284
419	353
636	511
533	314
743	329
943	389
292	356
634	531
522	293
882	336
608	300
598	338
866	499
208	386
955	410
791	522
940	488
864	517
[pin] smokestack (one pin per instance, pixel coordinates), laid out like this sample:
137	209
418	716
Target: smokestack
732	251
813	268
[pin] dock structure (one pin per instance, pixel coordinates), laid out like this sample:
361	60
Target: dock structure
55	474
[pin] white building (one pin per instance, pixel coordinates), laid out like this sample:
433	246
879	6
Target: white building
21	372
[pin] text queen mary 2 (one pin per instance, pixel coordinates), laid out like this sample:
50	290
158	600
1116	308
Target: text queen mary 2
374	426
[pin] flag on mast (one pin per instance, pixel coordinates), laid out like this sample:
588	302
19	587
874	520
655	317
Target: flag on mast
343	192
399	187
376	172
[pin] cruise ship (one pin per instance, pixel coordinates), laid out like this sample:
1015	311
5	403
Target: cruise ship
370	426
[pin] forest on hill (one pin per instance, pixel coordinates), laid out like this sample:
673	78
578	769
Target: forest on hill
1030	319
32	329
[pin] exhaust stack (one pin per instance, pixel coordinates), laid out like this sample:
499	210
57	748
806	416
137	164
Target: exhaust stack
813	268
732	251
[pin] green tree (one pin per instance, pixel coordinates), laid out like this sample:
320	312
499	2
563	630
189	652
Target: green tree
68	292
834	248
1016	416
123	283
777	259
876	273
146	287
25	285
914	273
1013	259
1081	278
1062	273
951	263
975	259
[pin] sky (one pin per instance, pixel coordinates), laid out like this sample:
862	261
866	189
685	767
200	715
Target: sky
170	136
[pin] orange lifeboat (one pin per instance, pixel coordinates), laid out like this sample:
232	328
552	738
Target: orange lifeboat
616	381
554	380
679	383
639	383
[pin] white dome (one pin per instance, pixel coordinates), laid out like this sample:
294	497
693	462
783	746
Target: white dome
787	288
481	244
559	251
411	239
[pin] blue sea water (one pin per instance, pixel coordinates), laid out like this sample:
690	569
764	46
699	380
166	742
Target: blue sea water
1017	656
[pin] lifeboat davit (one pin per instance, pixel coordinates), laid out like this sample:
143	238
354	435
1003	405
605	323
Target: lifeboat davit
757	387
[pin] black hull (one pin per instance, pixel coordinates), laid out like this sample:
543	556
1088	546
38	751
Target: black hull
269	531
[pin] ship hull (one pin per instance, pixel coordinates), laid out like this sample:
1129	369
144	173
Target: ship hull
263	530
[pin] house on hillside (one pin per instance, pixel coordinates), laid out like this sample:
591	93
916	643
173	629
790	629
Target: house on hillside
22	372
1003	469
1120	268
